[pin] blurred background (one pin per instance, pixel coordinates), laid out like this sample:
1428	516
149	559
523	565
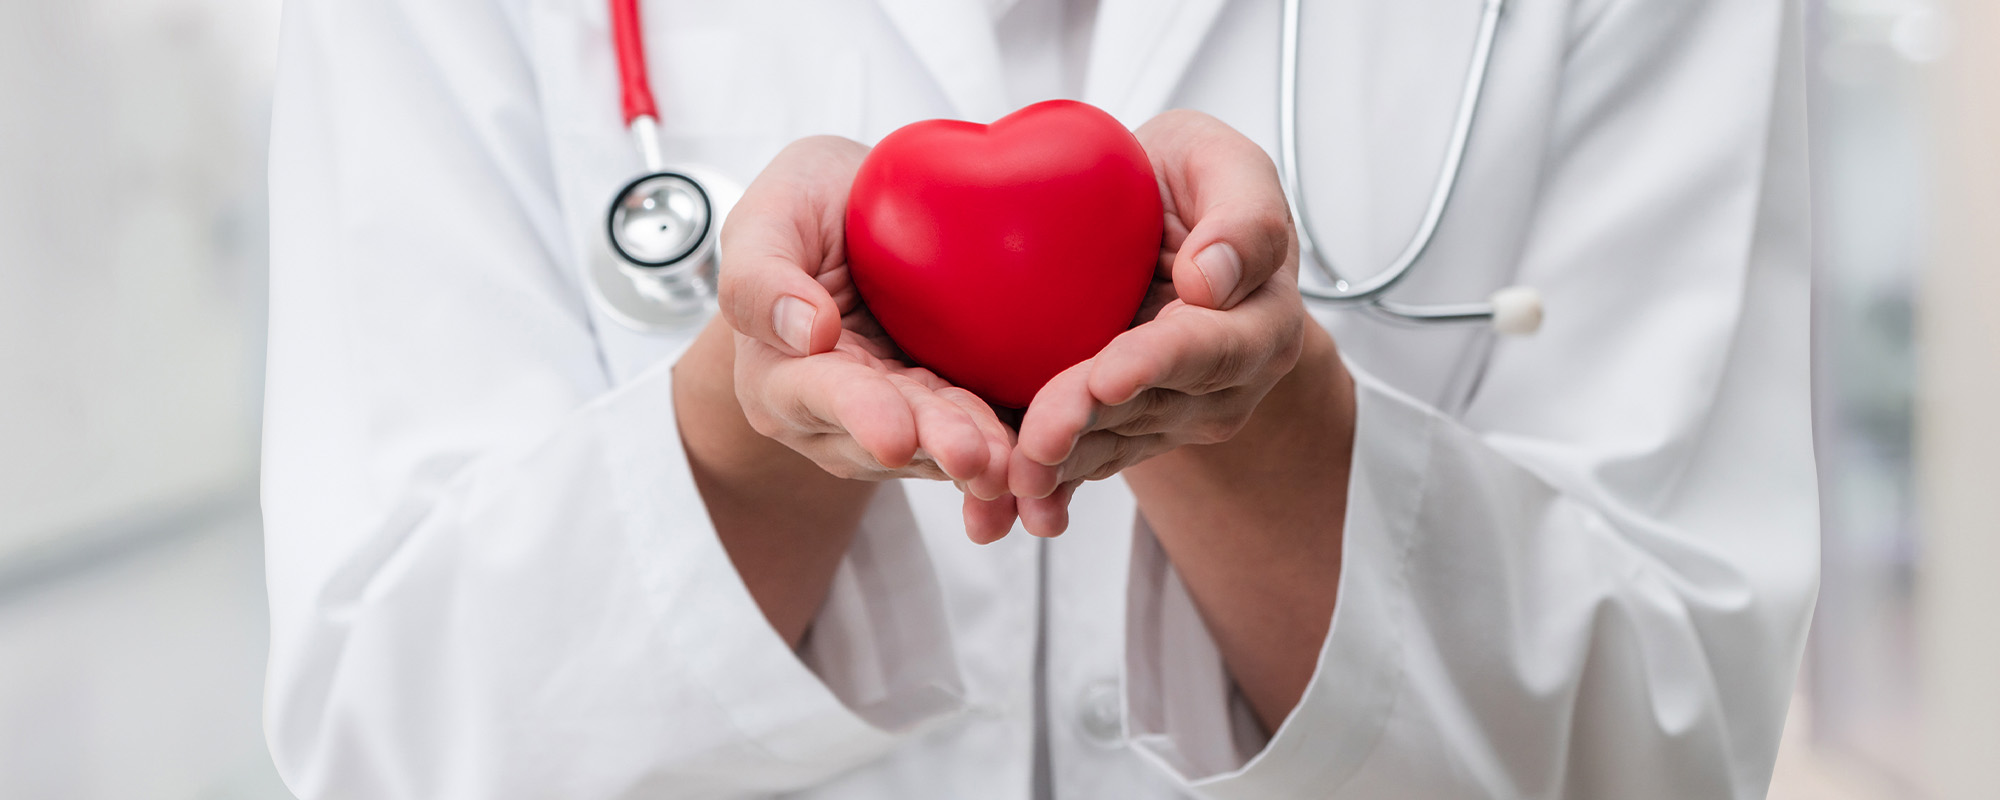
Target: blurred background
132	624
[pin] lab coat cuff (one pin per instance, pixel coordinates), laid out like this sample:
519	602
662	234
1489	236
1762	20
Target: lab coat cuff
882	642
772	697
1340	717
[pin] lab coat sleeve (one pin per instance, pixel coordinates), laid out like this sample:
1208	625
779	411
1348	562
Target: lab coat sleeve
1597	583
490	572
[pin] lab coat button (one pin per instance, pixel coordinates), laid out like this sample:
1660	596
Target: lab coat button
1099	714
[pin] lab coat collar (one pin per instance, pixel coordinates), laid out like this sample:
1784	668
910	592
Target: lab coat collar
1138	52
955	40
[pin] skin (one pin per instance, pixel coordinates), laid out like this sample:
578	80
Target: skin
1227	411
786	450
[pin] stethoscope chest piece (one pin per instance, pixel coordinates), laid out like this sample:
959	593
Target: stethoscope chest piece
662	230
660	220
659	273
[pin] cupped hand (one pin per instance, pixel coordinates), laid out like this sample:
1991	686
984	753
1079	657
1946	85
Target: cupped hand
1221	325
814	370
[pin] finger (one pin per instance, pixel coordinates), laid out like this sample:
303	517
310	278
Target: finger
1101	455
875	415
1199	351
843	415
1150	411
1029	479
988	521
991	484
778	238
1096	455
1050	428
787	398
1229	254
767	294
1047	517
1061	411
1188	349
944	431
1226	190
1093	453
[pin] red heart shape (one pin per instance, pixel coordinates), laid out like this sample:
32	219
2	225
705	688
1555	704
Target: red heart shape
999	255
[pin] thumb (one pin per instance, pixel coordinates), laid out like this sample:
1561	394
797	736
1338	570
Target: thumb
1225	188
1232	250
772	299
779	237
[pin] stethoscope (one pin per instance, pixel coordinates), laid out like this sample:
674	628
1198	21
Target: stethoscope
1512	310
662	224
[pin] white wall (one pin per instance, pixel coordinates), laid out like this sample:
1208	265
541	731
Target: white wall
141	678
1959	420
131	253
132	638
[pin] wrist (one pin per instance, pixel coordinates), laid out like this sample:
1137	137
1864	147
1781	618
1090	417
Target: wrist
784	522
1318	387
721	445
1254	526
1310	409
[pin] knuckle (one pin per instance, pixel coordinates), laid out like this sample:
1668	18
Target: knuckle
1163	411
764	422
743	300
729	297
801	148
1291	346
1216	430
1122	452
1222	371
1142	414
1276	231
1143	422
1189	118
818	143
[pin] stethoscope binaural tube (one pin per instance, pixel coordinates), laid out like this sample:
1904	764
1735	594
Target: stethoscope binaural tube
661	225
1513	310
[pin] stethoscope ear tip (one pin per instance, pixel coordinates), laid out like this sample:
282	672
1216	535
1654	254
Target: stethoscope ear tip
1517	311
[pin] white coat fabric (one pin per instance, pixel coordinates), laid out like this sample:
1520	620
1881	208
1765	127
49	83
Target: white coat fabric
491	574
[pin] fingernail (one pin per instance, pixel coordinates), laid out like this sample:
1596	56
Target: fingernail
793	319
1220	266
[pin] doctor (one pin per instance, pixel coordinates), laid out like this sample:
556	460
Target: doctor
517	550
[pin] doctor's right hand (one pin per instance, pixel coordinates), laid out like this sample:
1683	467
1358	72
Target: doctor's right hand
813	369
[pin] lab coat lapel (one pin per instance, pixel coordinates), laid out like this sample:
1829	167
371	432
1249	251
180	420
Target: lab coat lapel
956	42
1140	50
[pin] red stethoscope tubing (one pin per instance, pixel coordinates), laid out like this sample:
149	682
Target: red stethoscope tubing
636	92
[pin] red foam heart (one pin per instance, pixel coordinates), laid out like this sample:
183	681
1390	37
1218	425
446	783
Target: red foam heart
999	255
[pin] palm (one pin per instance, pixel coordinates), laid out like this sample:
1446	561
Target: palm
864	342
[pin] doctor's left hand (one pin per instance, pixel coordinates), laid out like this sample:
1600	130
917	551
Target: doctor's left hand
813	369
1222	325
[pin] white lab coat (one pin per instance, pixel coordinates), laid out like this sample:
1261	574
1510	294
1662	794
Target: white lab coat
492	577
